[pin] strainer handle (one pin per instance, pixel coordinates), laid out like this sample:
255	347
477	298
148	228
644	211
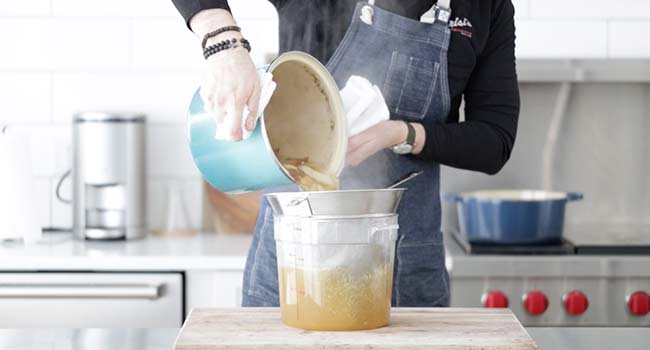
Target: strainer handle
297	201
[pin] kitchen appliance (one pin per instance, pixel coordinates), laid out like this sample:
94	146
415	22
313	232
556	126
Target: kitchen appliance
598	276
512	217
91	300
305	118
17	203
108	176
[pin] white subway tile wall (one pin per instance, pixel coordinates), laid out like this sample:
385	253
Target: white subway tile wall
62	56
629	39
25	97
562	38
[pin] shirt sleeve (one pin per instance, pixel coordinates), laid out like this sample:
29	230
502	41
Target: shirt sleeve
188	8
485	140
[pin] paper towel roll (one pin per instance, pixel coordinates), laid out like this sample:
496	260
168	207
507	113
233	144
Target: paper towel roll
17	204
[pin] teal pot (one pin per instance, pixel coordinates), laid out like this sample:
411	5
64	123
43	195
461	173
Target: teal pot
304	118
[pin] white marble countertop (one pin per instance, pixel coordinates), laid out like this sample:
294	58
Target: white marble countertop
61	252
163	339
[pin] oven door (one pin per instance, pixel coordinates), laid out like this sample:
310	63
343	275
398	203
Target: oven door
91	300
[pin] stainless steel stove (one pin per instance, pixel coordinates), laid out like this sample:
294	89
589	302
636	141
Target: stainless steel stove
600	276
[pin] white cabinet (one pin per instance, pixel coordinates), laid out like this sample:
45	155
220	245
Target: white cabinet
220	288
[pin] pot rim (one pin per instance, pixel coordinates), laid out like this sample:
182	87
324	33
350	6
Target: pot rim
335	102
340	217
400	189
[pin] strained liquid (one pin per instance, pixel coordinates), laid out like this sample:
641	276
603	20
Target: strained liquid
336	299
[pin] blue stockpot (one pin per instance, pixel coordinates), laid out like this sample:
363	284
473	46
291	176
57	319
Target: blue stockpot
251	164
232	167
522	217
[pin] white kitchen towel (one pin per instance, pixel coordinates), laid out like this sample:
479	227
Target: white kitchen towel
268	87
364	105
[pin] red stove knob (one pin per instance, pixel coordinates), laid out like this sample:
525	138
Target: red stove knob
494	299
638	303
575	302
535	302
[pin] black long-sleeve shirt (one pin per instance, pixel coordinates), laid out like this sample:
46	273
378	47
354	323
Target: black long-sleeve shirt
481	68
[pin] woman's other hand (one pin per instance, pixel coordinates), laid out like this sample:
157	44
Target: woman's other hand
383	135
231	81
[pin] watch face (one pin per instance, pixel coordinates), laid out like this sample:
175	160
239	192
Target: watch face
402	148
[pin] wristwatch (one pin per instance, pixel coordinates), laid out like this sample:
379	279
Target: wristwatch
407	146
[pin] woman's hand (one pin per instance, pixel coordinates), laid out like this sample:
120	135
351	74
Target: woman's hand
383	135
231	81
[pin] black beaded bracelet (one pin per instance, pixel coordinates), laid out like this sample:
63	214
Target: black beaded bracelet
225	45
217	32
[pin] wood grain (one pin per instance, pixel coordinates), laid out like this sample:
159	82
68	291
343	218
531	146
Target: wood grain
230	213
410	329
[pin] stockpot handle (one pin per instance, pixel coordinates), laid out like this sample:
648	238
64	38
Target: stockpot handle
574	196
452	197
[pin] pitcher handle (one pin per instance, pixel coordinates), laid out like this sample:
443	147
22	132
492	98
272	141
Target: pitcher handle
381	228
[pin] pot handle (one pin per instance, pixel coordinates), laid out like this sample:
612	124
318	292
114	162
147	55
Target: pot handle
452	197
574	196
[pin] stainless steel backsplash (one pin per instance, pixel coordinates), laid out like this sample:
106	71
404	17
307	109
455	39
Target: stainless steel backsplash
603	151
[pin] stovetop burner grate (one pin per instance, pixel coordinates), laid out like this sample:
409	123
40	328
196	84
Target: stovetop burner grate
563	248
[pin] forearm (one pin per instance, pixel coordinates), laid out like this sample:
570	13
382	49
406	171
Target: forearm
189	8
400	133
477	146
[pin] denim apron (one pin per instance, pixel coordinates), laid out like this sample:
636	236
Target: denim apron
407	59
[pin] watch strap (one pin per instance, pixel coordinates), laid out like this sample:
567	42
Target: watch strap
410	137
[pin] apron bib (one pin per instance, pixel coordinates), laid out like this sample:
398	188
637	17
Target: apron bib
407	59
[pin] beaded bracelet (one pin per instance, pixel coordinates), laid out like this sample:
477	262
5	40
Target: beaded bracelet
217	32
225	45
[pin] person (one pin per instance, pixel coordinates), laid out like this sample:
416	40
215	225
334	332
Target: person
424	71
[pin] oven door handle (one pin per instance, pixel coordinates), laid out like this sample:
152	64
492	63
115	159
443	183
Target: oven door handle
89	291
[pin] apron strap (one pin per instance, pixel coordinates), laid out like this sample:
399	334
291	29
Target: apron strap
443	4
442	11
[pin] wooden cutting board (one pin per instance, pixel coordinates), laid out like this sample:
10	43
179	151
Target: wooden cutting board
410	329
